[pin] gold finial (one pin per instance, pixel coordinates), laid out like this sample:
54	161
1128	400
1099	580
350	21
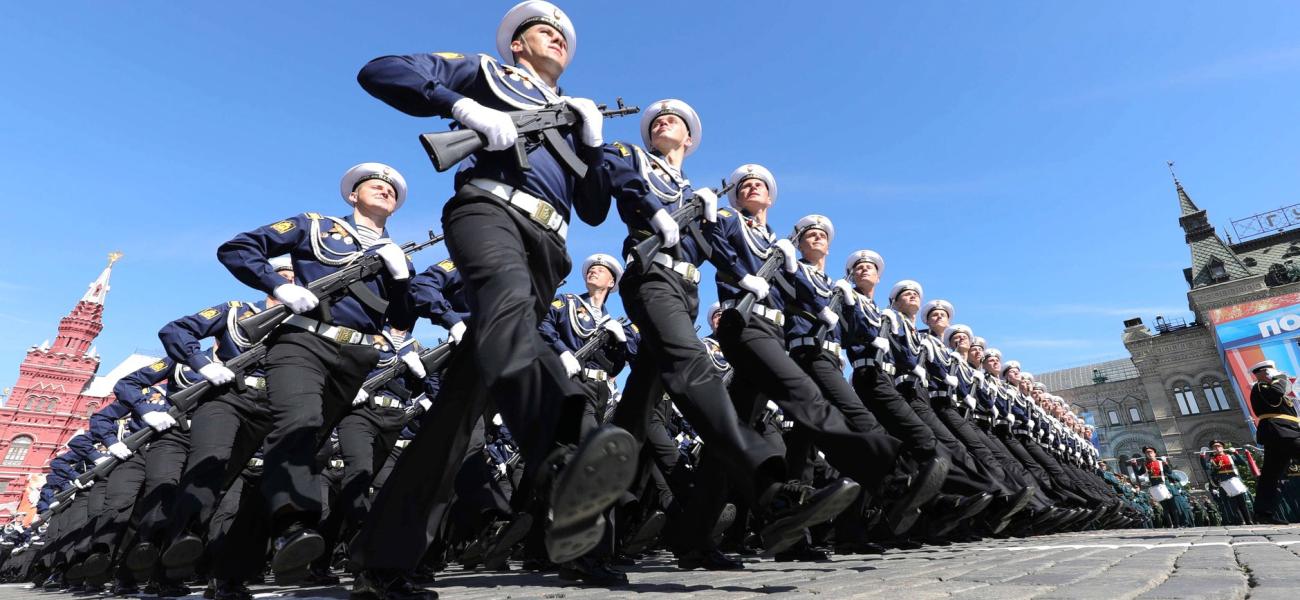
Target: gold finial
113	257
1172	173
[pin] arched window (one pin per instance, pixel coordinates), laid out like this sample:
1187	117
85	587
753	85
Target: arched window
1214	396
30	403
1113	416
1186	400
1134	415
51	404
18	451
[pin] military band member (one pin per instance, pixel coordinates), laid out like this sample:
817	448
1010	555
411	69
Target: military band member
1222	466
319	357
1277	429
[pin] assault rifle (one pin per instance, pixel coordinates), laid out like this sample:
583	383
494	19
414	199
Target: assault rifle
542	125
745	306
433	358
182	403
596	340
821	328
351	278
686	216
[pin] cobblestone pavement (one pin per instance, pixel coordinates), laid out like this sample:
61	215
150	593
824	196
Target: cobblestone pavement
1203	563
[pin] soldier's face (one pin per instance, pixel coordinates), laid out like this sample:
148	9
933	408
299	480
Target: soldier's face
992	363
908	301
714	319
754	195
814	244
937	320
375	196
1013	375
669	132
960	342
599	277
541	44
975	355
1151	454
865	275
1261	375
1218	448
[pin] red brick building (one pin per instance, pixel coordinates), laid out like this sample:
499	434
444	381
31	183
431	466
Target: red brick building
54	396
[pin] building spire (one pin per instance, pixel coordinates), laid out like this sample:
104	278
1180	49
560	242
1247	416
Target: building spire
1185	203
99	287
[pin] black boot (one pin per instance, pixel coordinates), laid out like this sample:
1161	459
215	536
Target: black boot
594	571
377	585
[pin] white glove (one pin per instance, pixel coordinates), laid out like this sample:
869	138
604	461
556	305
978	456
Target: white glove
847	292
787	250
158	420
710	201
217	374
82	486
496	419
426	403
496	126
616	329
414	364
772	406
951	380
457	332
299	299
755	284
571	366
592	121
394	260
666	227
828	317
119	450
361	397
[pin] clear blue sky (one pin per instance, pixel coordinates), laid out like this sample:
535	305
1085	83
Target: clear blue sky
1010	156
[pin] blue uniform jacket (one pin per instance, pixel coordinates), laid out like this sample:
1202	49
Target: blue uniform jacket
904	343
740	246
812	293
571	320
318	246
439	295
136	394
182	338
427	85
642	183
85	447
861	326
714	350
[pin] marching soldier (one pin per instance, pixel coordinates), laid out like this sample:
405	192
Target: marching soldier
318	358
1277	430
227	428
506	228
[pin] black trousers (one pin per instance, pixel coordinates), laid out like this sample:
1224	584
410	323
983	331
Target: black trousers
310	382
671	358
511	268
1014	469
763	369
965	477
121	491
225	432
1060	479
893	411
973	441
366	437
1281	442
163	462
240	529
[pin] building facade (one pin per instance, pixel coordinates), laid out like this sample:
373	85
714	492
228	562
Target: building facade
1173	392
53	398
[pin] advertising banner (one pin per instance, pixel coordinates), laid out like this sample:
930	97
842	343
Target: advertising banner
1249	332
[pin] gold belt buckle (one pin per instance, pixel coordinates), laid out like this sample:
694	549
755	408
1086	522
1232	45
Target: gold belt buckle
691	271
344	335
543	213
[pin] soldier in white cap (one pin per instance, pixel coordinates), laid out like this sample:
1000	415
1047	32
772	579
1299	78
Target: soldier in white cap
1277	429
506	231
662	297
318	359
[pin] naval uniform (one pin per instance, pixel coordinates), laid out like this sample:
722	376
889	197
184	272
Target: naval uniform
228	426
662	298
316	361
569	323
506	230
757	352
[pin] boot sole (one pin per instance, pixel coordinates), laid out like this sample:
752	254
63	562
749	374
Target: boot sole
725	520
601	470
784	532
141	558
295	556
901	515
183	553
95	565
646	534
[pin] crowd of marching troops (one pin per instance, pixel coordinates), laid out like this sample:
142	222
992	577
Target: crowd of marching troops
822	412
